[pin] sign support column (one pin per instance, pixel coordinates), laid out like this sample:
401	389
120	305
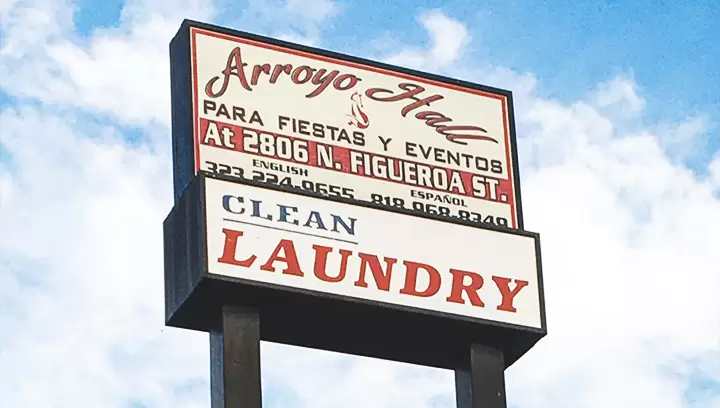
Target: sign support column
483	386
235	359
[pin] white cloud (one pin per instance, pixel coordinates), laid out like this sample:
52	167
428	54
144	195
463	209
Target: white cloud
620	94
299	21
27	24
6	5
326	380
6	189
629	236
141	12
313	10
715	172
631	277
687	140
448	38
82	271
447	52
121	72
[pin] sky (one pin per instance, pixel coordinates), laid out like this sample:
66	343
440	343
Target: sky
617	110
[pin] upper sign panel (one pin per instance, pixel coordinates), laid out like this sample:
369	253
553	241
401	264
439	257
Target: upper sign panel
345	128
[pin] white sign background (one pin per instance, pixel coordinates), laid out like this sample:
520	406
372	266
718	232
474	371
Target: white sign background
332	107
383	233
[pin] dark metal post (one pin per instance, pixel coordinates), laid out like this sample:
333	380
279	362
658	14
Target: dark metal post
235	360
484	385
463	389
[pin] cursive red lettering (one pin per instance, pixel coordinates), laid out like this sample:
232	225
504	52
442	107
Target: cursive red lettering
303	70
257	70
279	69
352	80
433	119
323	80
233	67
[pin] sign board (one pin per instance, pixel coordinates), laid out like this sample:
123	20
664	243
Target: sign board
292	241
341	127
350	278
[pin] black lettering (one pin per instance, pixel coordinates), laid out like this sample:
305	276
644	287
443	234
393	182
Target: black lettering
208	106
343	137
238	113
439	155
359	138
496	166
302	127
318	130
255	118
410	149
223	111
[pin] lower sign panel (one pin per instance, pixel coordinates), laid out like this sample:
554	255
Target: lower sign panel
360	254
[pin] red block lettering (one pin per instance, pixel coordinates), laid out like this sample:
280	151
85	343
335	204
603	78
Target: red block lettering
458	287
290	259
321	255
411	276
228	256
507	295
382	278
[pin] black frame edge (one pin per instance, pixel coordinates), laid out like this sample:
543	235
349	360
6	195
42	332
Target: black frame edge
181	106
184	256
514	156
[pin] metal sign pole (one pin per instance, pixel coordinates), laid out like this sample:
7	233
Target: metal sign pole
235	360
483	386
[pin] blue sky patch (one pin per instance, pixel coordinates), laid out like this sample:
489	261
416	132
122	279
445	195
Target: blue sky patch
93	14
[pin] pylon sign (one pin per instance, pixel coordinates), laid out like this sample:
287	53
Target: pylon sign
353	206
